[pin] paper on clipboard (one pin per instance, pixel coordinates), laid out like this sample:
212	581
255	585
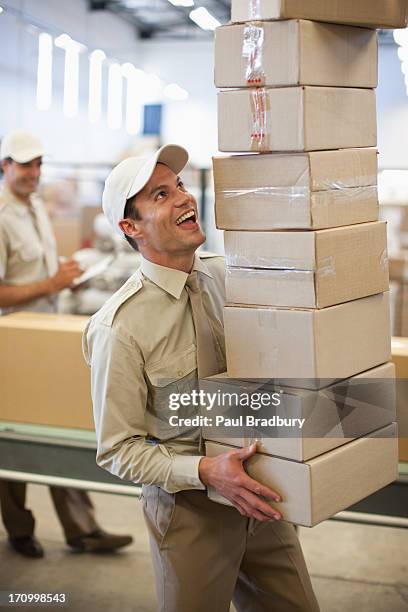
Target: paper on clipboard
93	271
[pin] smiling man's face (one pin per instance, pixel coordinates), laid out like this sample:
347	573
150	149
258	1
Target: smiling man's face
22	179
168	226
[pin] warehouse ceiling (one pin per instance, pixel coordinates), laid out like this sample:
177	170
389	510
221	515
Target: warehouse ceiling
162	19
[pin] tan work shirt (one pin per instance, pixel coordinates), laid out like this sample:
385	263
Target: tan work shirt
28	250
141	346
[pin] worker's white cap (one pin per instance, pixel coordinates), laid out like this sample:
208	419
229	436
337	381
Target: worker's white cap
131	175
21	146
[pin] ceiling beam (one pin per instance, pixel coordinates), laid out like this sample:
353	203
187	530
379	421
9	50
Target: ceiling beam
224	4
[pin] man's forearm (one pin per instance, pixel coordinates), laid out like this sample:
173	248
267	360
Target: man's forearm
144	463
16	295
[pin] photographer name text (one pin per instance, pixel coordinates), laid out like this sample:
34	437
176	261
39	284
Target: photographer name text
240	421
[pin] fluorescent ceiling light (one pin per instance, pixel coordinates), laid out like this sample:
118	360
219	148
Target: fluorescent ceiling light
2	9
204	19
403	54
44	71
64	40
115	87
175	92
182	2
71	73
135	81
96	60
401	37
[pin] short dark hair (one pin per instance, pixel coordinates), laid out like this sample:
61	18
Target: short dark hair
5	159
131	212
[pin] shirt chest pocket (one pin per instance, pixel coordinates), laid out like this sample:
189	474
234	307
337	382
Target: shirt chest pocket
173	369
173	375
29	252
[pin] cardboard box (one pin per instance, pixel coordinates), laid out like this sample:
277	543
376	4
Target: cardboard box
395	308
296	119
307	345
399	308
370	13
398	269
43	376
398	265
67	233
403	450
311	269
399	347
87	218
316	490
333	416
296	191
296	52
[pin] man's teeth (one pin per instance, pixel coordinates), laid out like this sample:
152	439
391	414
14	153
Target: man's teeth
186	215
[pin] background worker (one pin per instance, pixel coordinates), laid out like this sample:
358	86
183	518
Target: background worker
154	337
30	279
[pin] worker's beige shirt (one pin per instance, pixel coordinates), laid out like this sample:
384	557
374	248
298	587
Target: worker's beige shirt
27	247
141	346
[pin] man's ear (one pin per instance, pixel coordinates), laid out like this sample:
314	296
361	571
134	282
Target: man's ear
131	228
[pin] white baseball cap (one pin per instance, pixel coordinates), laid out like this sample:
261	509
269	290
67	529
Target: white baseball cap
131	175
21	146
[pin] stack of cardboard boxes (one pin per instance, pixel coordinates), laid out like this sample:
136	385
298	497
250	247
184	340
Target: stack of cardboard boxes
307	267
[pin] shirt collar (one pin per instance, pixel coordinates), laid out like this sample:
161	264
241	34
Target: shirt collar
19	207
170	280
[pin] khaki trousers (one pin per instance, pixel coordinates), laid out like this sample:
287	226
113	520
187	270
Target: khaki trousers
205	555
74	509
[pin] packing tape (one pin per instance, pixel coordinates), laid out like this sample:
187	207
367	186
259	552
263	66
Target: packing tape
291	195
366	180
298	195
259	134
342	190
240	260
278	275
252	50
254	9
326	266
349	196
384	264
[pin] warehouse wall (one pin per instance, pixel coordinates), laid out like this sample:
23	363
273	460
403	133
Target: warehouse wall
192	123
189	63
67	139
392	110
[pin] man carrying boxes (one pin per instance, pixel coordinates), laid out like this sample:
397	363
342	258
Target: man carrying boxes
151	340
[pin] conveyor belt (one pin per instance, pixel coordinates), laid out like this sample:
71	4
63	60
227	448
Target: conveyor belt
62	457
66	457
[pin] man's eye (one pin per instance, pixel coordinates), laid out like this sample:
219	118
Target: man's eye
161	195
181	186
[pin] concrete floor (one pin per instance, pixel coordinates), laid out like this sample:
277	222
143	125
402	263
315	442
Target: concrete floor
353	567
